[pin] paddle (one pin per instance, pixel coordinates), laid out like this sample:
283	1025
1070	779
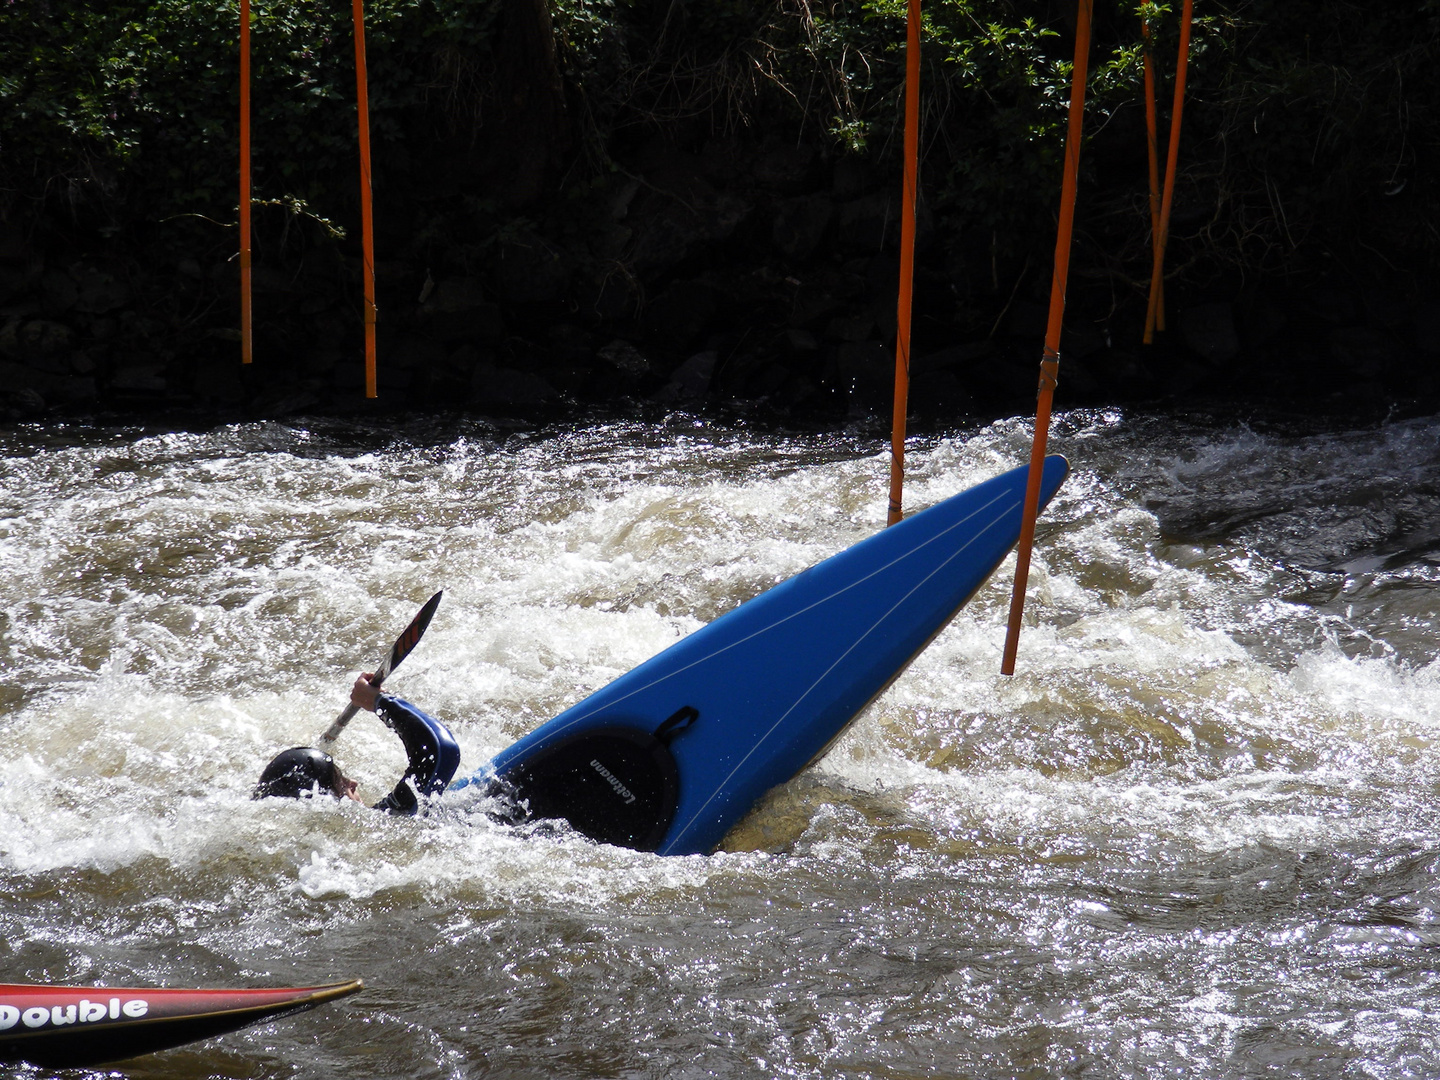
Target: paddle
402	648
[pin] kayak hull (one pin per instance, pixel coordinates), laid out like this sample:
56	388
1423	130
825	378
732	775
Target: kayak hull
75	1026
743	704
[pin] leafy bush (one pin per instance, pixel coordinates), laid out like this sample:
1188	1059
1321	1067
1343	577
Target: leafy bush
136	103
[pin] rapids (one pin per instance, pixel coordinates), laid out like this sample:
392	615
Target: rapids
1193	836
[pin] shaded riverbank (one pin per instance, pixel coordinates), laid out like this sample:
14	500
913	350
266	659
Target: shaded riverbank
700	209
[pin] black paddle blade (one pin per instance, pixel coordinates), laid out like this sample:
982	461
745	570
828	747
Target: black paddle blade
404	645
406	642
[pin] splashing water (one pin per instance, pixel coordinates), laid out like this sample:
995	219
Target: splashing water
1192	836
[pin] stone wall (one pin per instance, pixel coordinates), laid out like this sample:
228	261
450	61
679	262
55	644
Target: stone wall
760	277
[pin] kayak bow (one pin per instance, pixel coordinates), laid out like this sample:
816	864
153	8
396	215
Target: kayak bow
67	1026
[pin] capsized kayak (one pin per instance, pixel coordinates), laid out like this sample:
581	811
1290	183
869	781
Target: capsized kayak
67	1026
669	756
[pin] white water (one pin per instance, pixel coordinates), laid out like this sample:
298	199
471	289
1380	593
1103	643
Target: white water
1193	836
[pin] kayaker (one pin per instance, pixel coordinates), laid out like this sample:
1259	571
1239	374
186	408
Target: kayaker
432	752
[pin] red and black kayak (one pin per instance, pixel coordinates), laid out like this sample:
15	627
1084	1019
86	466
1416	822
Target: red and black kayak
61	1026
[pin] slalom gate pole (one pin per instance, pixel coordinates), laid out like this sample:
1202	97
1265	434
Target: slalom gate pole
1155	311
367	238
1172	161
1050	361
907	260
247	343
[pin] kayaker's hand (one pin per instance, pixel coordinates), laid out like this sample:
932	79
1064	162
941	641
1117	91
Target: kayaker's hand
362	694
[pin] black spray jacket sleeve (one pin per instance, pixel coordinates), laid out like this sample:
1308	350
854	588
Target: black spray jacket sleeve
433	753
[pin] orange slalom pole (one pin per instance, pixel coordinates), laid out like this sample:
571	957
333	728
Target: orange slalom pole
1050	362
1153	145
367	237
907	260
1172	161
247	343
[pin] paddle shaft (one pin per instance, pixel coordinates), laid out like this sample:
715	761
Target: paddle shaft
402	648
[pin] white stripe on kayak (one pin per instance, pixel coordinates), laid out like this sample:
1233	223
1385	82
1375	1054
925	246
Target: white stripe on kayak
839	659
801	611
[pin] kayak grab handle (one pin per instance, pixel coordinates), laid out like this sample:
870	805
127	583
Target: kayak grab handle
677	723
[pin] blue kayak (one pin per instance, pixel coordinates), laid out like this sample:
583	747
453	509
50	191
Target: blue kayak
670	755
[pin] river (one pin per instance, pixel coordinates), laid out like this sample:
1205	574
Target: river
1193	836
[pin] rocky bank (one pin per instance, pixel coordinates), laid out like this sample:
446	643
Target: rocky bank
762	278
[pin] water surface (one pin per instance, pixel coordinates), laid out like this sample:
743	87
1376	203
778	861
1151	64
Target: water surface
1193	836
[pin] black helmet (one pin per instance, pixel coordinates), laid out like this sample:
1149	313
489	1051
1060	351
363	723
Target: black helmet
296	773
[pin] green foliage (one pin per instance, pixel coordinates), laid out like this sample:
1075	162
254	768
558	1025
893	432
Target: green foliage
1302	120
995	89
141	100
1310	129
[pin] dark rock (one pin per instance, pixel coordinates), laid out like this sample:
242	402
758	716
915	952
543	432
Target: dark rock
1386	309
393	273
672	226
570	345
1362	353
467	358
98	291
13	244
457	310
812	302
455	294
53	388
1330	304
1181	375
1027	319
850	328
1260	323
866	225
393	378
1006	378
530	270
865	365
800	225
786	169
801	341
852	177
611	295
413	351
506	386
1077	376
13	282
322	361
20	403
218	379
768	380
1128	375
59	291
732	377
690	381
1079	341
681	313
953	358
272	281
1208	331
1427	327
329	329
625	359
290	402
141	378
40	343
936	392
